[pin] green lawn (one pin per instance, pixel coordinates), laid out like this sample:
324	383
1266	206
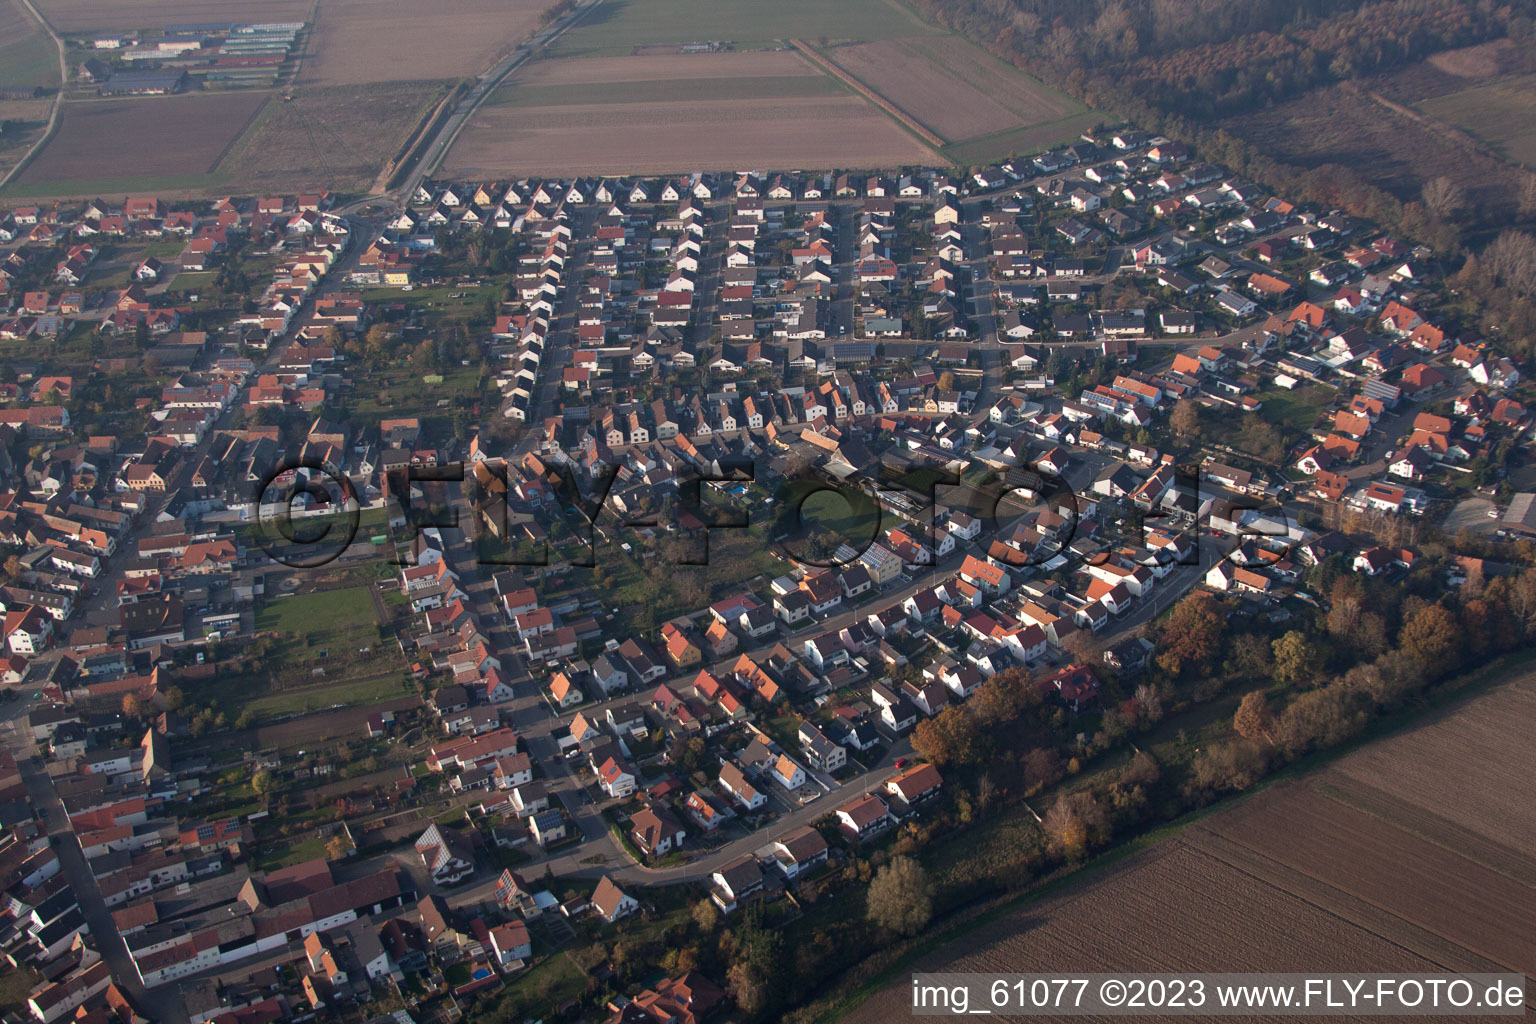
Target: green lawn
1296	410
1033	138
365	691
619	25
290	852
144	184
852	515
330	612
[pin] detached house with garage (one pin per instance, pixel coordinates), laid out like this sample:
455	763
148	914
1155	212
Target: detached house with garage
799	852
446	854
612	903
865	817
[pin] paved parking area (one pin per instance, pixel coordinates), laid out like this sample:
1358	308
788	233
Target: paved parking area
1471	514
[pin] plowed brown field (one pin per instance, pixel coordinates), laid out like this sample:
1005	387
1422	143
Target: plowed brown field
358	41
951	87
1411	854
665	136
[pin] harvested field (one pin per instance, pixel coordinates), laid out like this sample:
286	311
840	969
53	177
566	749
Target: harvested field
28	55
15	23
577	71
1364	857
358	41
620	26
336	138
773	74
1175	908
1502	114
951	87
1410	854
99	15
596	70
127	145
667	136
1491	790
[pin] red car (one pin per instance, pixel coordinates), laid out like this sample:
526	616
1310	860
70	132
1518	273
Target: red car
901	763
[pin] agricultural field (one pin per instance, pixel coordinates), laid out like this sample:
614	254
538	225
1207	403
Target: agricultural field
28	55
170	142
658	114
354	42
1345	870
335	137
27	121
1490	793
764	74
1502	114
618	27
953	88
69	16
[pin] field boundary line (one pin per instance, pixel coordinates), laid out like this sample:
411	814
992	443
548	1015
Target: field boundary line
55	110
234	140
847	77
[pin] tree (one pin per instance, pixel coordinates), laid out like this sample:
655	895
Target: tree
1192	636
1003	697
1042	767
338	846
1223	766
1528	196
1253	721
133	705
1431	637
1296	660
946	381
947	738
1319	719
264	783
1185	419
1443	198
901	897
1075	823
748	988
706	917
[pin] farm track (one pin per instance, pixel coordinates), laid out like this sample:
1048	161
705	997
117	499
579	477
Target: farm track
834	69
